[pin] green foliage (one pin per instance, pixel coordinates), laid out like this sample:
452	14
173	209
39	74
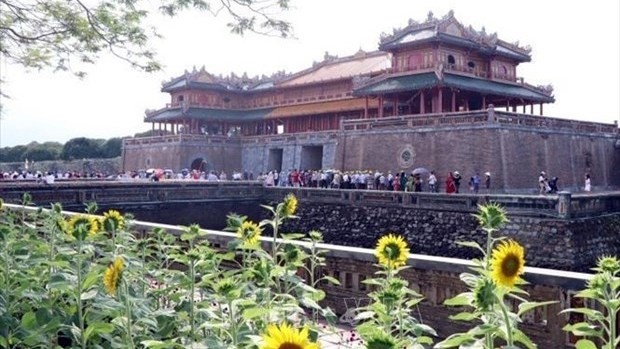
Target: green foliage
603	289
57	34
43	152
81	148
13	154
112	148
169	292
486	304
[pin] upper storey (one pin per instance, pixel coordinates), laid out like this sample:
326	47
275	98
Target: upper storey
330	79
447	42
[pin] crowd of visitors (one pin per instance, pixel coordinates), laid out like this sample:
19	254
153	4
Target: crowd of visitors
416	181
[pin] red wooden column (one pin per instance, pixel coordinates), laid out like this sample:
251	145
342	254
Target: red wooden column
453	101
508	105
366	109
484	102
532	108
440	101
541	109
380	107
422	104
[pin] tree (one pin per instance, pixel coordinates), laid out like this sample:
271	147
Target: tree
111	148
81	148
43	152
52	33
13	154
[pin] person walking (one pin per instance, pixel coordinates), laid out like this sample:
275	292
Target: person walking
432	182
588	183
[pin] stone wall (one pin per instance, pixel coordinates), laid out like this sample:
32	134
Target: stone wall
180	151
513	154
110	166
566	244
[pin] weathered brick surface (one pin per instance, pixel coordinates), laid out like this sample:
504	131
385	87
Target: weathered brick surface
514	155
543	325
549	243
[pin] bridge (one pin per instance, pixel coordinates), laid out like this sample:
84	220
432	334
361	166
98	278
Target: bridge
565	231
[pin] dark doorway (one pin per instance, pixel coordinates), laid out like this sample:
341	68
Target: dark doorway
275	160
200	164
312	157
475	102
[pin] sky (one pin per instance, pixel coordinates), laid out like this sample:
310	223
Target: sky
575	47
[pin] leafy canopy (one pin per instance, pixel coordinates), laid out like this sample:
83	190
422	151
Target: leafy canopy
53	33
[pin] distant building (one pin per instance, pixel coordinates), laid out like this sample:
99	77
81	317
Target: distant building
437	78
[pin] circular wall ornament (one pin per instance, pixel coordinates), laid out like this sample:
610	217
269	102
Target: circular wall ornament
406	156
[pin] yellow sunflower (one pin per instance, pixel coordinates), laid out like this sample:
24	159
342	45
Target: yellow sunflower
392	251
249	233
507	263
82	225
112	275
112	221
287	337
289	205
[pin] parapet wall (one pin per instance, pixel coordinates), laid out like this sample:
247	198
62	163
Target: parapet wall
433	223
513	147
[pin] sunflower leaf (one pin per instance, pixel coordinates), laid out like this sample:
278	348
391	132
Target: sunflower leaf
527	306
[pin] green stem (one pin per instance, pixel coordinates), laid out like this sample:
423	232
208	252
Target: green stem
612	314
488	338
7	280
129	340
79	294
507	321
233	324
192	273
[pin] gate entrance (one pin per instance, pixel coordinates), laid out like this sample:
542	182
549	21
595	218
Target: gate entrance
275	160
311	157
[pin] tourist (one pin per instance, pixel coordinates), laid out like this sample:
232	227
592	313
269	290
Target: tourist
456	178
542	183
410	184
396	183
487	181
450	186
432	182
588	183
476	183
276	178
417	183
295	178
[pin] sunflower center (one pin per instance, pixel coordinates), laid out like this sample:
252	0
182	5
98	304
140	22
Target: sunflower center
510	265
290	346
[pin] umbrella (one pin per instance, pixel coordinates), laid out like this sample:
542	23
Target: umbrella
420	170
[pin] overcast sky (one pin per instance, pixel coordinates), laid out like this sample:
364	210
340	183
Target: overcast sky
575	47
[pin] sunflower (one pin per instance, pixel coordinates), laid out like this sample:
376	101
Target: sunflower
392	251
289	205
112	221
82	225
249	233
484	294
507	263
380	340
112	275
608	264
491	216
286	337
